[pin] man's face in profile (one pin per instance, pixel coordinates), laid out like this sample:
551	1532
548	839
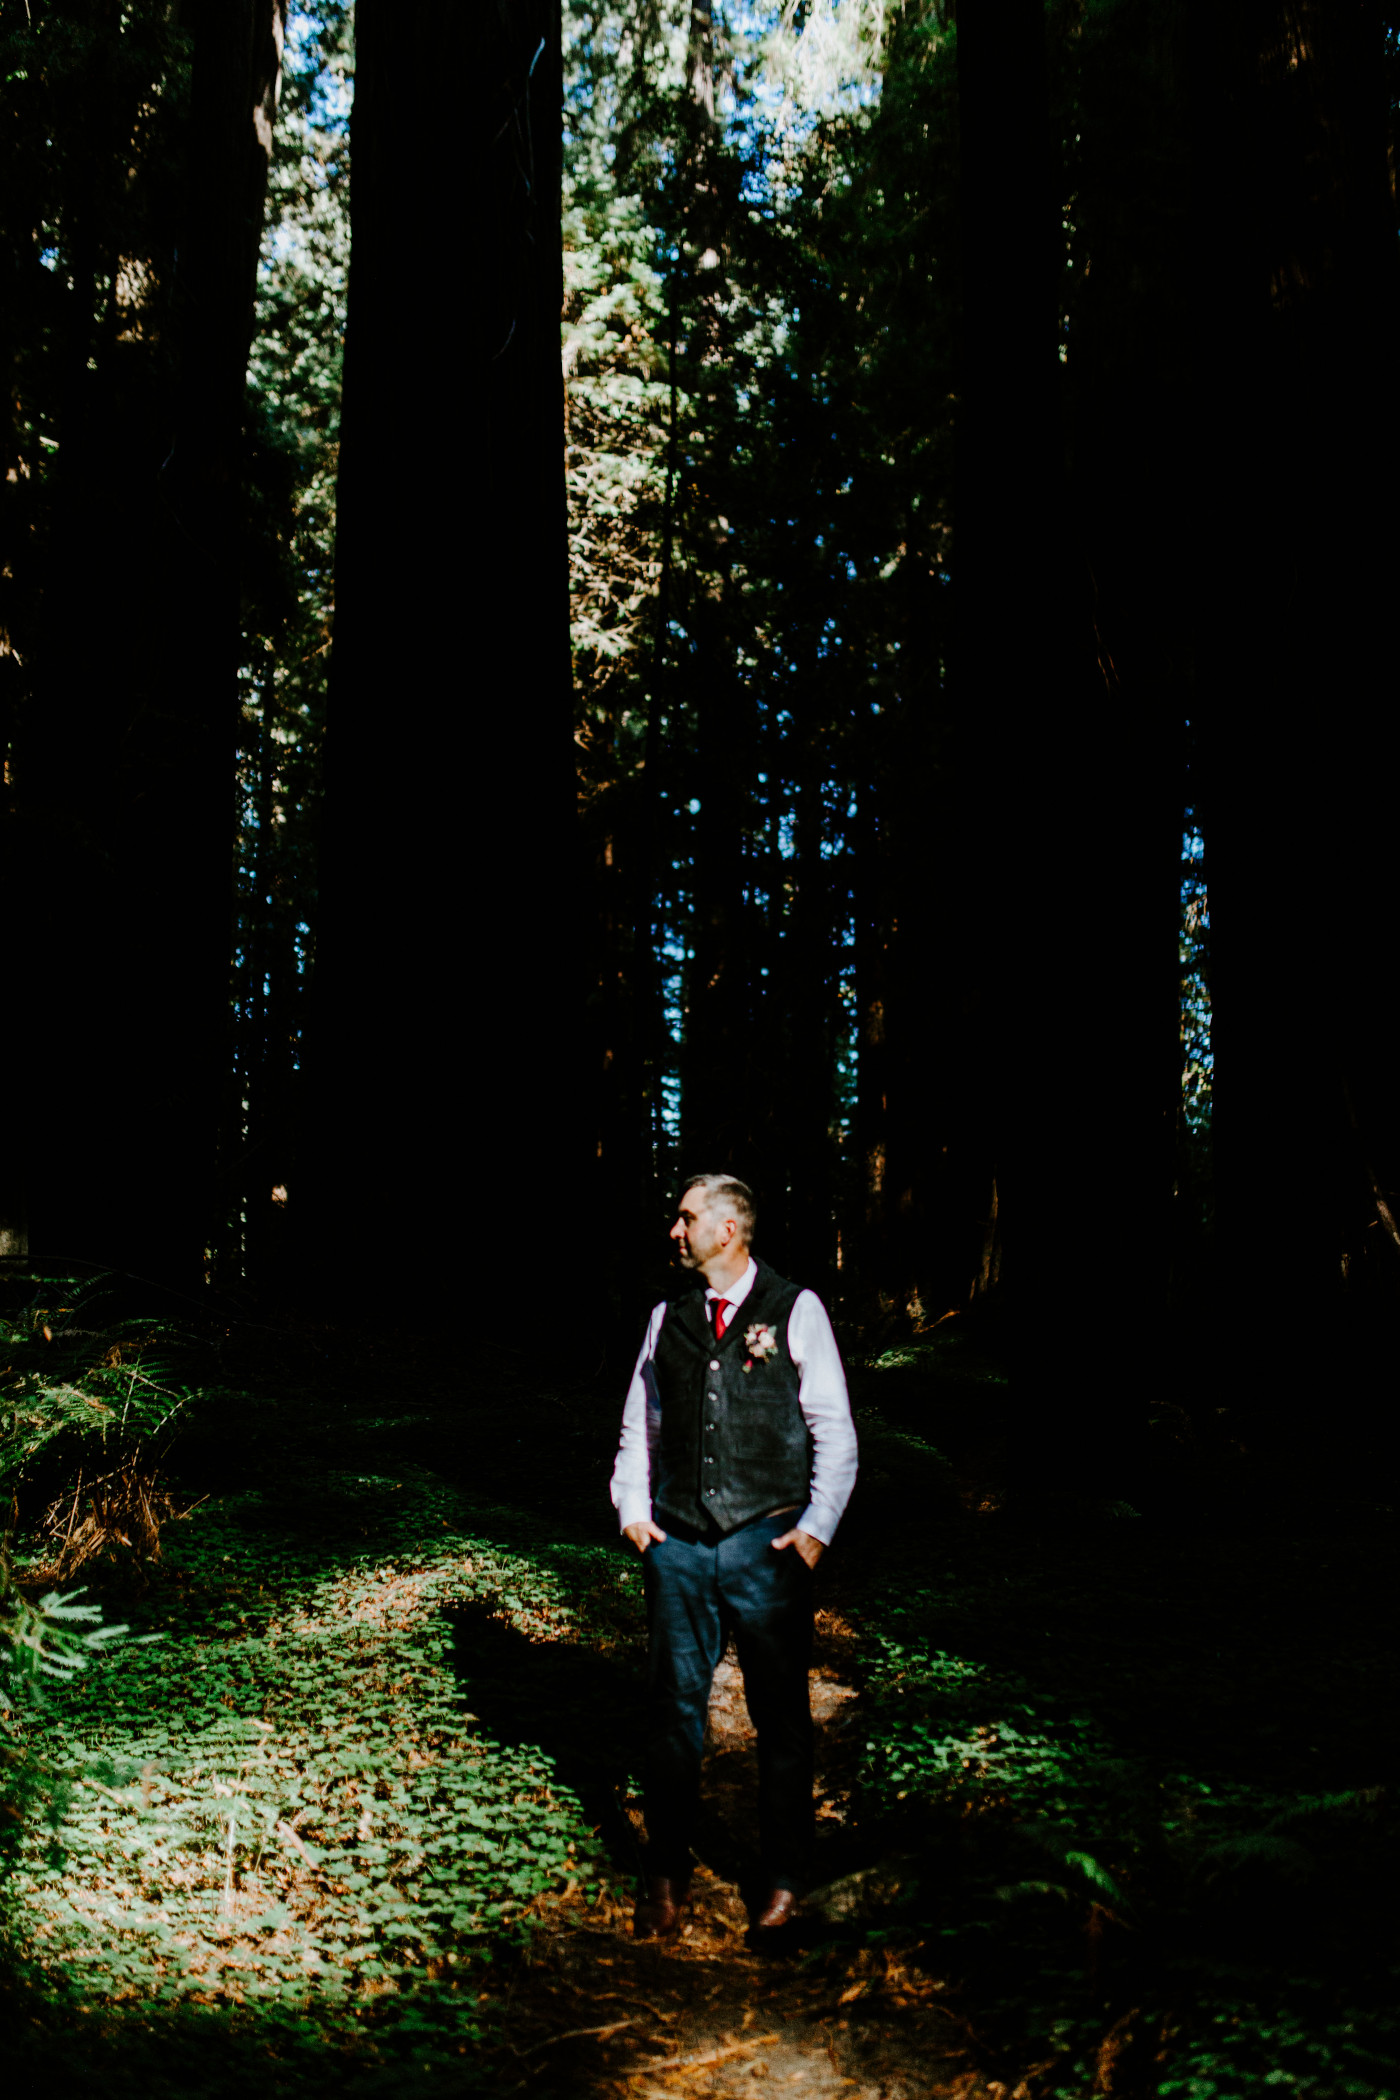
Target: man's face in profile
697	1230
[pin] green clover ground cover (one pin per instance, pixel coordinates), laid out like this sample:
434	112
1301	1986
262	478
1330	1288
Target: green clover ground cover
950	1727
282	1799
1121	1839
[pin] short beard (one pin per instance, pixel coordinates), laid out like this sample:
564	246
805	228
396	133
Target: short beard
687	1260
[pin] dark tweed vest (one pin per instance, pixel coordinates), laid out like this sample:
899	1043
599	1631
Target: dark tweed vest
728	1443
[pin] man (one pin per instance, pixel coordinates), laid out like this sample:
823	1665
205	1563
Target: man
738	1456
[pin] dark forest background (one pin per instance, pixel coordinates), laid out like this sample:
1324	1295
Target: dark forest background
966	807
591	591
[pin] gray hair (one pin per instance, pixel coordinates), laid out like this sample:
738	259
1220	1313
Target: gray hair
737	1196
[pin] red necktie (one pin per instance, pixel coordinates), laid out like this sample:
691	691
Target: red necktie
721	1317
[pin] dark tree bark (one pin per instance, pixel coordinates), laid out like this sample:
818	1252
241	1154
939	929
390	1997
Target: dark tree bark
1132	514
1296	427
805	1106
722	1095
256	1061
446	1117
864	1242
721	1111
1013	657
650	1045
125	764
1073	857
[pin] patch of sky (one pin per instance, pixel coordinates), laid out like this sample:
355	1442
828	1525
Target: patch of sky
826	63
1197	1054
847	1032
786	77
755	190
674	954
333	88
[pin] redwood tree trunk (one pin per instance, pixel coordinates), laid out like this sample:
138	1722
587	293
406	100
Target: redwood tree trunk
1297	435
446	1099
126	767
1057	770
719	1102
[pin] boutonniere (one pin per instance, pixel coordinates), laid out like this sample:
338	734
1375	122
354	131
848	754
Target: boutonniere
761	1342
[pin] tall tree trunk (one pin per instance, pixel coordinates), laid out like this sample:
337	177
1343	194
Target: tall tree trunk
625	1018
1131	513
719	1103
1010	668
1043	723
938	1154
1297	435
447	1108
256	1065
864	1244
807	987
650	1034
127	766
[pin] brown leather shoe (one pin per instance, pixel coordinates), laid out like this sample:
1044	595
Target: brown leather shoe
780	1910
659	1910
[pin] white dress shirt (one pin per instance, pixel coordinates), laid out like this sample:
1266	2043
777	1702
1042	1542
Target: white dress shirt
822	1396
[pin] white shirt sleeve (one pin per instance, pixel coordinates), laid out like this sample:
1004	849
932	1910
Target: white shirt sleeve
826	1408
631	1474
825	1405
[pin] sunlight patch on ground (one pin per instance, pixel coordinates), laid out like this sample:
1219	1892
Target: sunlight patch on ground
286	1798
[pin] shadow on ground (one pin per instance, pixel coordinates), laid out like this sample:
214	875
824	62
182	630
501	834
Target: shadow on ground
586	1711
582	1708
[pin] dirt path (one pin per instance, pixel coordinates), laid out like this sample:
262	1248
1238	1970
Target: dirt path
595	2011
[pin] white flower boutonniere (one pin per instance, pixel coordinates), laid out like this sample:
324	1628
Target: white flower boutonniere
761	1343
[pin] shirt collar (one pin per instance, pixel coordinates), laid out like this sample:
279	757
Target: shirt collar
737	1292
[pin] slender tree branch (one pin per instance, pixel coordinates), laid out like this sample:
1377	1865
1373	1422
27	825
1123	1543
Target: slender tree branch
1383	1209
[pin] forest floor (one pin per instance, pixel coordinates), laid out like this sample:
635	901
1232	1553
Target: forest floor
1105	1807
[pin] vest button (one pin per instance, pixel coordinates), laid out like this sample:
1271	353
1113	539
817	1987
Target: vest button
714	1363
